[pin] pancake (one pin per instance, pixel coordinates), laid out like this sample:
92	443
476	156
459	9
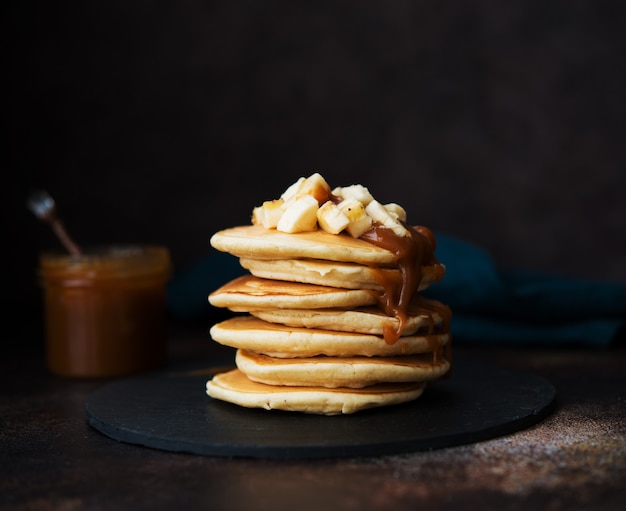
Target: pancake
256	242
333	372
234	387
365	320
249	293
250	333
335	274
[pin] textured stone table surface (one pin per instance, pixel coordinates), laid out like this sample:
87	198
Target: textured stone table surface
574	459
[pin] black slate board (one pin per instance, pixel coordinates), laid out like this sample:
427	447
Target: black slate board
170	410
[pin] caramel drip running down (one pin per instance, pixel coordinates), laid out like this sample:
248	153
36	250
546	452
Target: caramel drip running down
411	253
434	308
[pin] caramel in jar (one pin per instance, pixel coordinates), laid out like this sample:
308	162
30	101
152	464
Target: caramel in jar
105	311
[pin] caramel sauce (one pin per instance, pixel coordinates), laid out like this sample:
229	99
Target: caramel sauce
433	308
105	311
411	253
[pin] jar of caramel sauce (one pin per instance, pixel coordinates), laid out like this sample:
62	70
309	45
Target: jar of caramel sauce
105	310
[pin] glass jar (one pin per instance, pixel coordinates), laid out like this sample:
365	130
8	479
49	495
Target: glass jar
105	311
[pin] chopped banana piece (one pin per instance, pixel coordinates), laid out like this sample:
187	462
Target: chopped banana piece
292	190
331	218
288	202
269	213
358	192
301	215
396	210
257	213
359	220
316	186
379	214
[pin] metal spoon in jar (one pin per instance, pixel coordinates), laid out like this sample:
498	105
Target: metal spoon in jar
43	206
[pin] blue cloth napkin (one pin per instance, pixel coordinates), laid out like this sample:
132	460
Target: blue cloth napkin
524	307
489	304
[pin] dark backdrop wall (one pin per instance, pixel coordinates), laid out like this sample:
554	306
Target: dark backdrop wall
498	122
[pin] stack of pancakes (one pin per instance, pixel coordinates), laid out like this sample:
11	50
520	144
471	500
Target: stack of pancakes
313	333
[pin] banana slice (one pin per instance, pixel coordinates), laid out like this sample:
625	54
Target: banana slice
331	219
358	192
396	211
268	214
292	190
379	214
300	215
316	186
359	220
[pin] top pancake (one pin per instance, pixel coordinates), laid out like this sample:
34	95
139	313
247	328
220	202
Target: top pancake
256	242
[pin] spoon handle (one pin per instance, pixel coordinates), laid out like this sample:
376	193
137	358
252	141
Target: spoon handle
44	208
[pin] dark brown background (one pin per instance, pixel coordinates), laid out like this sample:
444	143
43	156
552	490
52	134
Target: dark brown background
498	122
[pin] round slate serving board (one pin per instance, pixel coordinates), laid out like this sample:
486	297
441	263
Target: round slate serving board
170	410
